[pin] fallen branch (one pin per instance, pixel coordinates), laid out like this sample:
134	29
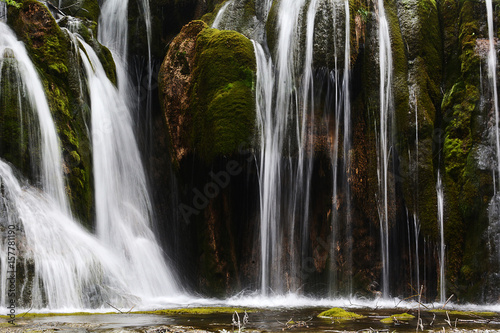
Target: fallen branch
24	314
449	299
55	8
114	307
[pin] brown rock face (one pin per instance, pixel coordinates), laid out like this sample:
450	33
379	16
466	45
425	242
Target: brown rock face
175	85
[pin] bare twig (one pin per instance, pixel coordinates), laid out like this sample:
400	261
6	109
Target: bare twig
51	6
404	299
419	320
114	307
433	318
24	314
448	321
449	299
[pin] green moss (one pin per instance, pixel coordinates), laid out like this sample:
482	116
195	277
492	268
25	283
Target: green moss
397	317
12	3
459	105
339	314
35	25
223	106
197	311
467	313
467	187
41	315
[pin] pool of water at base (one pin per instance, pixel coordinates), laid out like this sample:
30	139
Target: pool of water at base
259	320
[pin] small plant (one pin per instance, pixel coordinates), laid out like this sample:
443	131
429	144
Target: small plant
240	324
364	14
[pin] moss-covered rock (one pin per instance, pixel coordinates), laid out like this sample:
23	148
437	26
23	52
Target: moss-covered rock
223	102
339	314
397	317
206	84
175	80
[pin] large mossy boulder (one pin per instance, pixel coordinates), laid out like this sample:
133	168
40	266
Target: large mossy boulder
206	87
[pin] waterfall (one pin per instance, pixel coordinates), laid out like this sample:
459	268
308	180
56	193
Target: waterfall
220	15
70	269
440	206
124	211
347	135
264	98
113	28
31	87
384	140
113	33
492	74
123	207
281	120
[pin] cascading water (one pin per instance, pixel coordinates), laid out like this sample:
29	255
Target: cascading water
274	114
347	135
384	139
51	176
264	95
220	15
124	210
70	268
440	206
286	101
75	271
122	203
113	32
492	74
